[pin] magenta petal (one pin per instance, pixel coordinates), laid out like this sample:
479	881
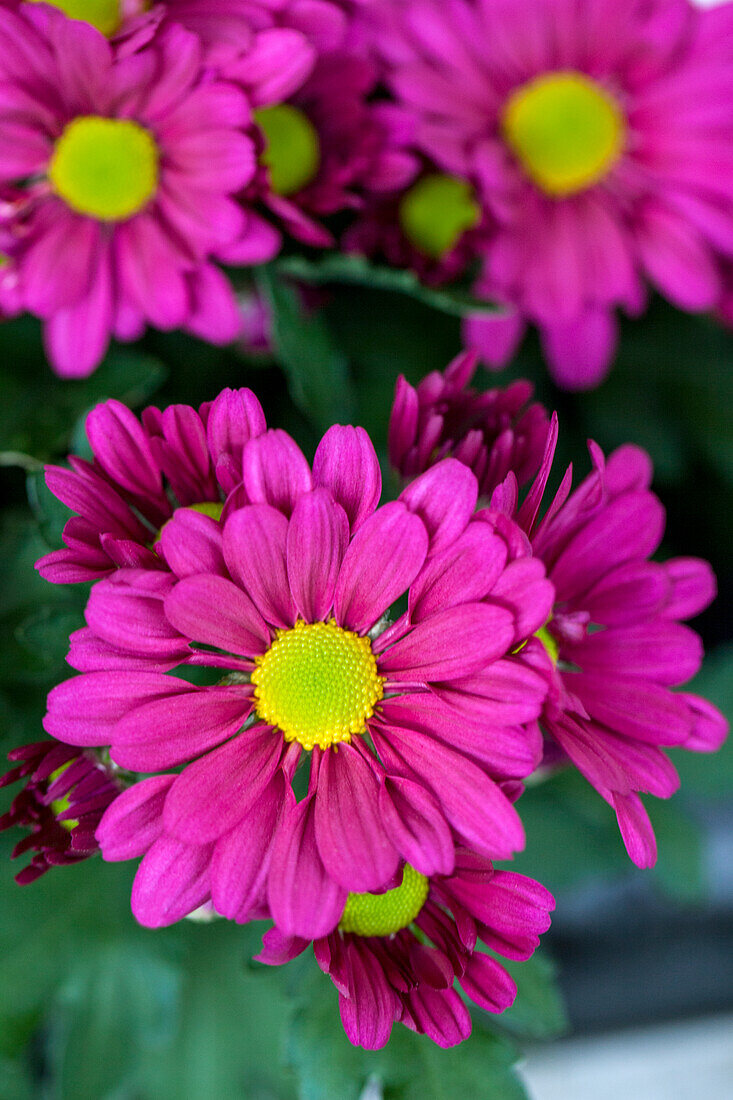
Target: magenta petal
85	710
192	543
488	984
636	829
632	707
628	527
304	899
214	611
693	587
242	858
346	463
369	1010
632	593
709	726
255	541
524	588
665	652
213	794
466	571
355	849
450	644
278	949
471	802
126	610
444	498
416	826
317	537
441	1014
235	417
134	821
172	730
122	449
275	471
172	881
380	564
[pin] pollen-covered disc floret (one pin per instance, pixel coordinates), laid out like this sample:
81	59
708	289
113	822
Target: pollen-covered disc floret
318	683
387	913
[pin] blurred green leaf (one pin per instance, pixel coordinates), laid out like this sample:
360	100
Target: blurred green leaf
315	367
39	409
679	867
120	1001
50	514
356	270
539	1010
410	1067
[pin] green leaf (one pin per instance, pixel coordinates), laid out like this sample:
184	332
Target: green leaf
39	409
410	1067
679	868
119	1002
316	369
50	513
539	1010
357	271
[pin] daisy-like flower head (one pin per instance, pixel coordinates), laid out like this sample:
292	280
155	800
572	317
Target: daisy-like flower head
599	139
141	474
62	802
397	954
125	178
615	637
416	734
492	432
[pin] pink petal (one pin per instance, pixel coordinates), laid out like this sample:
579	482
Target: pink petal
192	543
466	571
318	534
172	881
636	829
487	984
255	541
346	463
416	826
450	644
275	471
380	564
134	821
355	849
693	587
444	498
214	611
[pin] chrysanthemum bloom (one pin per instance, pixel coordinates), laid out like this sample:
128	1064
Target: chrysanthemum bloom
599	138
397	954
128	175
142	473
62	803
492	432
615	636
286	599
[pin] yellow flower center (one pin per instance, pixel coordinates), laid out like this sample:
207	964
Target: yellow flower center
105	15
566	131
292	153
317	683
106	168
436	212
61	805
383	914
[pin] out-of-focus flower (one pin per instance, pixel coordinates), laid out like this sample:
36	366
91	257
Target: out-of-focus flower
615	637
65	794
287	599
397	954
141	474
493	433
126	179
598	139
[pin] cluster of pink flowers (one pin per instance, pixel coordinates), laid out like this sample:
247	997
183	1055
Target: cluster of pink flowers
578	154
375	681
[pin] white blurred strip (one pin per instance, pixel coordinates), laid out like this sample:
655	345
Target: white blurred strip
687	1061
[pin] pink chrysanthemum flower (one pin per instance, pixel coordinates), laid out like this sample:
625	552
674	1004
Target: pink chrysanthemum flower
287	599
598	136
62	803
126	179
615	637
493	433
397	954
141	474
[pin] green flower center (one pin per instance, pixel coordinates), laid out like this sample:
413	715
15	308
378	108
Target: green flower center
317	683
61	805
383	914
292	152
548	641
436	212
105	15
106	168
566	131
